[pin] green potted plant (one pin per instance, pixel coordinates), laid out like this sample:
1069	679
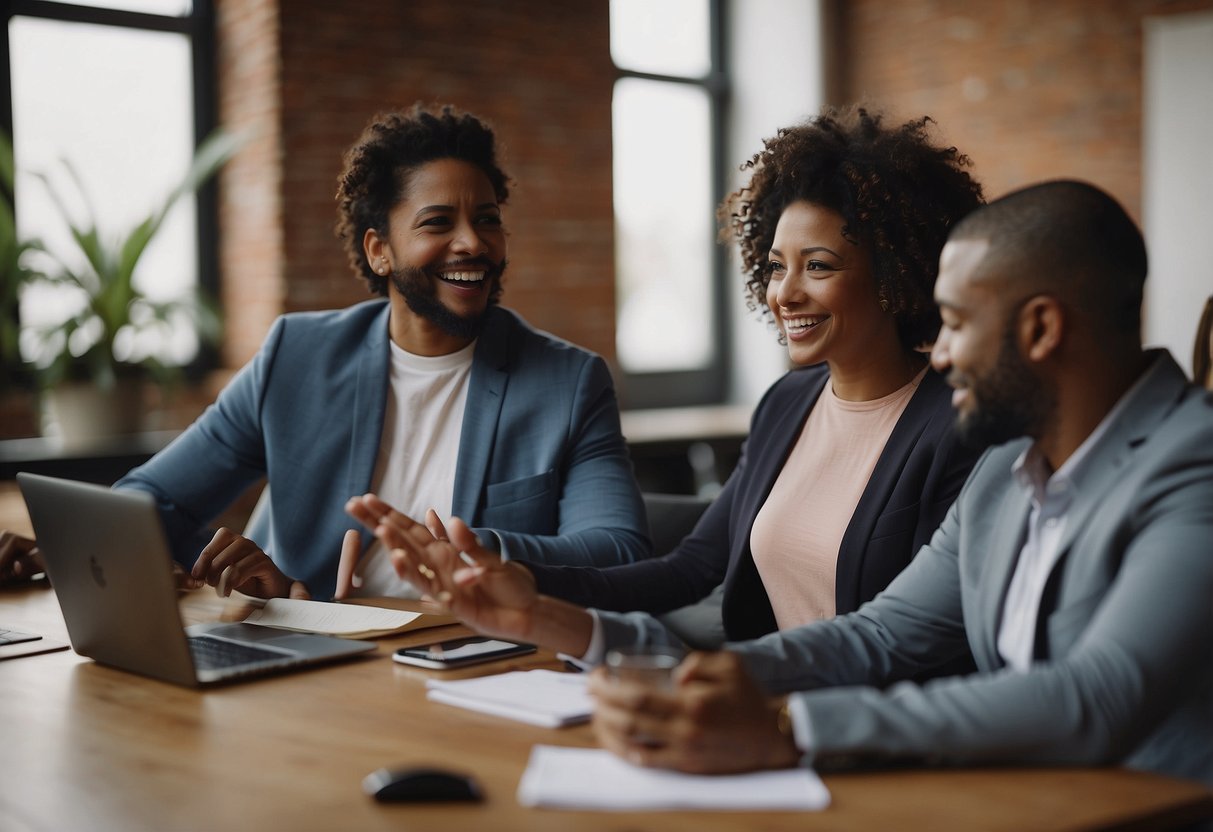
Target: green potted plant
93	390
13	272
18	391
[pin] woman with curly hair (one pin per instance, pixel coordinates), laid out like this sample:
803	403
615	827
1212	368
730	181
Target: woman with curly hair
851	462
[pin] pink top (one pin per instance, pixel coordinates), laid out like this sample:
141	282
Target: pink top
797	533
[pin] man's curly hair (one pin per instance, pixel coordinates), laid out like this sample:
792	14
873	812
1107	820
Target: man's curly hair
897	193
376	169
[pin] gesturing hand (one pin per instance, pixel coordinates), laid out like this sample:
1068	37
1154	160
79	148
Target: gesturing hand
231	561
486	593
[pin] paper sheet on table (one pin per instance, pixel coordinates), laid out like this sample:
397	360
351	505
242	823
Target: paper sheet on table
539	697
591	778
345	620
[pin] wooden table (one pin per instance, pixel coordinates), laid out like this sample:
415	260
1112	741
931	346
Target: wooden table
85	747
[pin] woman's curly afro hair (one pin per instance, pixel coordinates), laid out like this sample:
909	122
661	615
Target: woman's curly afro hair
897	193
376	170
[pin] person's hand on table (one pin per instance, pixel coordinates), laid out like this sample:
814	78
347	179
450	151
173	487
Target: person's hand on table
20	560
233	562
713	720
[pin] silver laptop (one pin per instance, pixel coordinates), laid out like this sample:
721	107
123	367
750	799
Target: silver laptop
109	562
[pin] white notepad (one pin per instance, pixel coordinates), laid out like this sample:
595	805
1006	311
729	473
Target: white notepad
546	698
591	778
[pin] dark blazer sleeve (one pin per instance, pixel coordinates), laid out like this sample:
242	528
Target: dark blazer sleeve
918	476
720	540
681	577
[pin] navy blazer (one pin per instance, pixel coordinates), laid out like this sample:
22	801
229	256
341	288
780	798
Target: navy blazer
916	478
542	469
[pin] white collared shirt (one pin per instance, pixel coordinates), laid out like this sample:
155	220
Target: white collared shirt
1052	496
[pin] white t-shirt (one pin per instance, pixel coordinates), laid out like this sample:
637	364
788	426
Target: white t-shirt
415	469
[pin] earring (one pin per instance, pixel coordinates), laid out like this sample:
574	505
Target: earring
382	267
884	305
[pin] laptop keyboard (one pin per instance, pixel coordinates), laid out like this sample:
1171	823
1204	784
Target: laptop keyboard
216	654
15	636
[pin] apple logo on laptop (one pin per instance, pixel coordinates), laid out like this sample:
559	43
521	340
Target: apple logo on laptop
98	573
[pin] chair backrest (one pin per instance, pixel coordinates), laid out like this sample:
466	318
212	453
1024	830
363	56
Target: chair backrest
671	518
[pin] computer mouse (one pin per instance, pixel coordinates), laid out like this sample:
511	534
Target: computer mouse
420	785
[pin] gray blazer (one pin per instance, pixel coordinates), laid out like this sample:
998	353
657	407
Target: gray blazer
542	462
1124	669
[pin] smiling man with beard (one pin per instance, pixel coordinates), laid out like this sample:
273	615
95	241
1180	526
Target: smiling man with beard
436	397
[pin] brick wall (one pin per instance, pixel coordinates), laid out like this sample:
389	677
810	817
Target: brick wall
316	71
1030	89
252	244
302	78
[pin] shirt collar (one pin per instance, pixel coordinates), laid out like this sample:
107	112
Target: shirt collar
1031	469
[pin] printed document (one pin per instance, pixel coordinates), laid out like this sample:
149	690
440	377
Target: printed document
347	620
591	778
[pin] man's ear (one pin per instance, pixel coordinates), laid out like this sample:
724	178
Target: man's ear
378	251
1041	327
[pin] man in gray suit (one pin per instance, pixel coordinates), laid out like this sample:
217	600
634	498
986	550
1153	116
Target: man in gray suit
1077	563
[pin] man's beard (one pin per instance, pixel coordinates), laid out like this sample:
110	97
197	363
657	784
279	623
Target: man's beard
1007	402
417	287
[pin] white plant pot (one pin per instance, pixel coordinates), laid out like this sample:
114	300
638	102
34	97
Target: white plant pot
83	415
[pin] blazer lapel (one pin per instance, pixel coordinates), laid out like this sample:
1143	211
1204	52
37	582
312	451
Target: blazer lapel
1159	392
853	548
1006	539
486	394
767	460
747	607
369	407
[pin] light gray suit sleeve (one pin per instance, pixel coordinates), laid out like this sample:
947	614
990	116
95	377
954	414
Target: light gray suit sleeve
1141	657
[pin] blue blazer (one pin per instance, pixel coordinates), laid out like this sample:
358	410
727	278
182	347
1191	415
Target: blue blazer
917	477
543	470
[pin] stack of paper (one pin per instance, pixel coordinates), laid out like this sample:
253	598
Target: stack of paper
344	620
591	778
540	697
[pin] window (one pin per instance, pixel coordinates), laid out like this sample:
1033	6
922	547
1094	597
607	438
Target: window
667	127
123	94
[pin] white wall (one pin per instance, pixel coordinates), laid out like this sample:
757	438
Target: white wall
774	55
1177	193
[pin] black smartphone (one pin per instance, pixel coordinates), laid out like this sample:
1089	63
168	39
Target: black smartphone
460	652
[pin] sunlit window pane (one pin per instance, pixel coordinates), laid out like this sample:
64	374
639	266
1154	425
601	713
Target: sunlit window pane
116	103
663	226
664	37
173	8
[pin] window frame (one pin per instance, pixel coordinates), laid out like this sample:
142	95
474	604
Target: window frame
710	384
199	28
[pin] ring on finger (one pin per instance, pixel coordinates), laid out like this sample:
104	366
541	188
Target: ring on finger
427	573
